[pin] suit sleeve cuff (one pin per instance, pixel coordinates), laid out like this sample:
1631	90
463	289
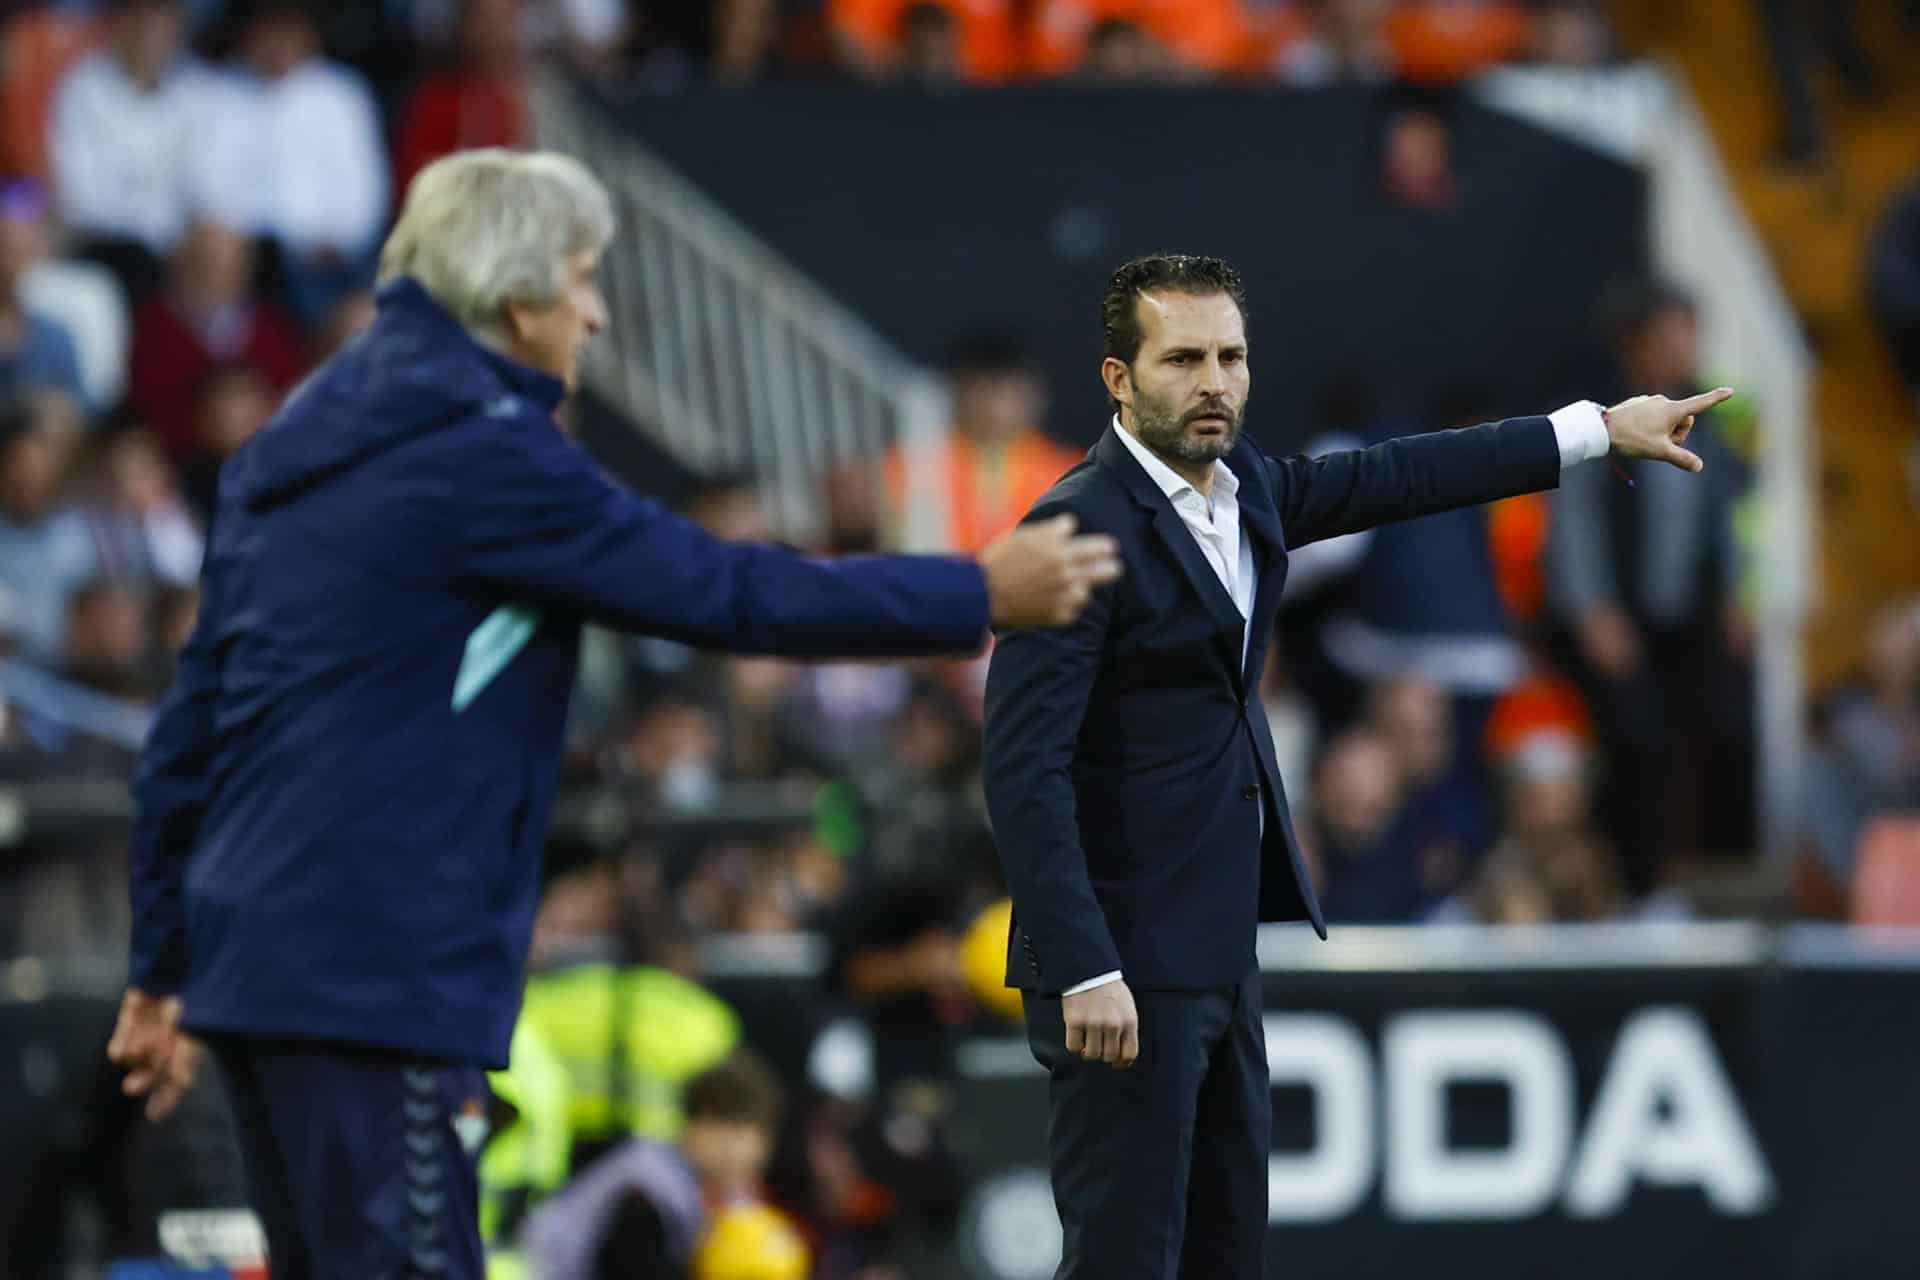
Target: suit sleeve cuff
1112	975
1581	433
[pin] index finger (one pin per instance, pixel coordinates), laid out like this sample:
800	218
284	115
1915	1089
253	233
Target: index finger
1706	400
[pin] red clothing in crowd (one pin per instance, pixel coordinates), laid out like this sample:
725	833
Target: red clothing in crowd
171	358
454	112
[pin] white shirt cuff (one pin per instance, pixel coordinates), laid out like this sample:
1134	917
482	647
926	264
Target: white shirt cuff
1581	433
1091	983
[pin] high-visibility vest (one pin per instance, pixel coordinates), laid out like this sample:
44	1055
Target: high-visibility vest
668	1030
529	1157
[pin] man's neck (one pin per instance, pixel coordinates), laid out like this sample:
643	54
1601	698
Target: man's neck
1197	474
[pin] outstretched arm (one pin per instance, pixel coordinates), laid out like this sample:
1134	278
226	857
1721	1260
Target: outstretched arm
539	522
1418	475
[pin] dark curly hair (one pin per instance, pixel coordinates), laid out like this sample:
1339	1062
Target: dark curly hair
1177	272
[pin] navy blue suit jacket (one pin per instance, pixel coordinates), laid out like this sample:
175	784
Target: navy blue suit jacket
1128	756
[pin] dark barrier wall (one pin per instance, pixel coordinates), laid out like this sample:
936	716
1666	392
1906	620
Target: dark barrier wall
931	214
1661	1118
1701	1103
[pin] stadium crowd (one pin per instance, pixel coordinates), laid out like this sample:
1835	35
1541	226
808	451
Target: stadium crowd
1508	715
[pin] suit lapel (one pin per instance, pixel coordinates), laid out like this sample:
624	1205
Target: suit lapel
1179	540
1260	520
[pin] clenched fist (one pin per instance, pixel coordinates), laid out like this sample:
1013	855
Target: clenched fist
1042	574
1103	1025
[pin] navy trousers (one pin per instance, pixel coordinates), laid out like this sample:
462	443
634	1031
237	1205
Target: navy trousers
1160	1170
360	1162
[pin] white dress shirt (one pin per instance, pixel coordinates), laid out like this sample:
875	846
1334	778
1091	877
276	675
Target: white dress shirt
1579	430
128	161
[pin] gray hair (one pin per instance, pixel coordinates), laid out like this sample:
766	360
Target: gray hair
490	226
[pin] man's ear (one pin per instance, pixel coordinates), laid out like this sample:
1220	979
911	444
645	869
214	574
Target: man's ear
1119	379
512	320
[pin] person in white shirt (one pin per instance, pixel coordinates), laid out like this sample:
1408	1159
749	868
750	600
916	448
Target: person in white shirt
298	155
126	141
81	297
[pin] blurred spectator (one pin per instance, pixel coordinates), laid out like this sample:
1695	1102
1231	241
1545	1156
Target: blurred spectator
1417	159
754	690
865	1180
233	402
45	552
60	414
693	1207
995	463
897	954
1868	759
1444	825
728	506
300	158
930	52
1346	42
142	533
888	39
1446	41
673	747
588	34
1359	795
628	1036
1418	598
84	298
206	318
126	140
106	641
1643	578
1120	53
1894	288
929	867
1549	865
746	42
853	509
1203	36
481	101
35	349
1574	33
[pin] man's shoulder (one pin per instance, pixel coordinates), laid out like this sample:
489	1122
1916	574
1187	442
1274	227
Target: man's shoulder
1088	490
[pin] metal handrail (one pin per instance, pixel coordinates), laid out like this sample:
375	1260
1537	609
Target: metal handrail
720	350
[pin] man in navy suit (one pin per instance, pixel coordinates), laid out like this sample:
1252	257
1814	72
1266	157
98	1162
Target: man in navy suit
1130	773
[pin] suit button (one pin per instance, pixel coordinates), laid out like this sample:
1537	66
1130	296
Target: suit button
1250	792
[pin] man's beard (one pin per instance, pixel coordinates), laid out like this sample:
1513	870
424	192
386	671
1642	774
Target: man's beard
1164	430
